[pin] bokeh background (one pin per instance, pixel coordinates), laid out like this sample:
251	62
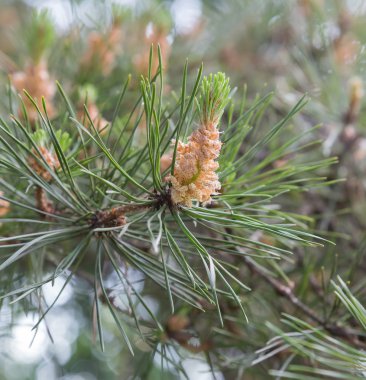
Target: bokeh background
313	47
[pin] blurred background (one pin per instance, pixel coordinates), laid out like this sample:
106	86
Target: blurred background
313	47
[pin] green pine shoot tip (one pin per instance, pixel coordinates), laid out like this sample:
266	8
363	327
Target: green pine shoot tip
213	98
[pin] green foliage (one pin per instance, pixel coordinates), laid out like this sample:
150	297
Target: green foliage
117	206
328	357
88	93
40	35
41	138
213	98
85	191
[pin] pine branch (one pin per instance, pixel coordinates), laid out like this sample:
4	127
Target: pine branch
287	292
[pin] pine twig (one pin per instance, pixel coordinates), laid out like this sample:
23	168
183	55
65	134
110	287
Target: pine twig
115	216
287	292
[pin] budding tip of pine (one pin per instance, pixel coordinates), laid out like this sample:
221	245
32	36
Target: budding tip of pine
195	176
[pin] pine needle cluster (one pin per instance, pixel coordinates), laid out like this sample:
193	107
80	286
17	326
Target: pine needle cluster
186	214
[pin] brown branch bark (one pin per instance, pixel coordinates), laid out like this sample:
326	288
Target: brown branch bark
287	292
115	216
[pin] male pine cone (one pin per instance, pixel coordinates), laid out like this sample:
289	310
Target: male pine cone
194	176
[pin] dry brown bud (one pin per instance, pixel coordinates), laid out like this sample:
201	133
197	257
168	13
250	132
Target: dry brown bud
177	323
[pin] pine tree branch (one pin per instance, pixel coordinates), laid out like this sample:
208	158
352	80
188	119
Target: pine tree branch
116	216
287	292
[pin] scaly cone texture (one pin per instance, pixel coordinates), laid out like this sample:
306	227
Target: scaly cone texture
195	176
50	158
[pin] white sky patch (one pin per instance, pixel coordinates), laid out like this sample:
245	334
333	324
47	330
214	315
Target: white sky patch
151	304
64	331
357	6
47	371
51	291
198	369
78	376
95	13
22	335
60	10
149	30
127	3
186	14
27	347
134	278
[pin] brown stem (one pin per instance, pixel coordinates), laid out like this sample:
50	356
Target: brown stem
282	289
287	292
115	216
